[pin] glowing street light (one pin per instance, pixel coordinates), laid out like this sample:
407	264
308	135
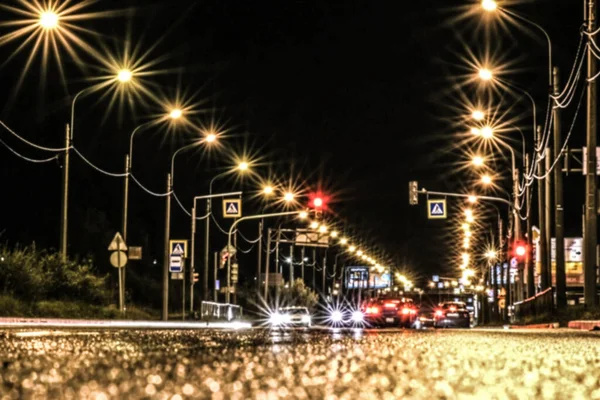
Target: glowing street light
472	199
486	180
303	215
268	190
478	115
478	161
243	166
487	132
314	225
288	197
211	137
491	255
343	241
176	113
485	74
124	75
359	252
318	202
468	213
352	249
334	234
489	5
48	20
323	229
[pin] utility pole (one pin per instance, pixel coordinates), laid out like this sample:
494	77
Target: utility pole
302	262
529	261
124	223
548	214
64	216
542	245
206	249
559	216
267	260
517	233
589	246
323	284
291	265
259	261
192	258
167	255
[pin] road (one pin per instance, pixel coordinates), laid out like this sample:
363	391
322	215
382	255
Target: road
316	364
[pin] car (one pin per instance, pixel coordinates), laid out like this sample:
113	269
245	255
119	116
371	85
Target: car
346	316
291	317
426	317
390	312
452	314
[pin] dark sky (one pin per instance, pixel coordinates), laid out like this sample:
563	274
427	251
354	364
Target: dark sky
353	96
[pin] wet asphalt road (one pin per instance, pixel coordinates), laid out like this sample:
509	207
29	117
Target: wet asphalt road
315	364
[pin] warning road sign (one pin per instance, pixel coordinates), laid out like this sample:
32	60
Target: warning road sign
232	208
436	209
178	248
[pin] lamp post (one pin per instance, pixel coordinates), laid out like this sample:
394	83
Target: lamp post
242	167
49	20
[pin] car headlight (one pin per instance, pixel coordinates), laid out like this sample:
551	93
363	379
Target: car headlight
357	316
306	318
286	318
276	319
336	316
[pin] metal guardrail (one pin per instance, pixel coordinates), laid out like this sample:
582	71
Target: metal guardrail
219	311
541	303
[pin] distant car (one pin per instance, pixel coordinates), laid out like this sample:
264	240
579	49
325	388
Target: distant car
452	314
426	317
390	312
346	316
291	317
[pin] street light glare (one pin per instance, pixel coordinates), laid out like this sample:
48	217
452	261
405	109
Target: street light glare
344	241
478	161
175	113
268	190
243	166
124	75
314	225
323	229
352	249
478	115
318	202
49	20
476	131
303	215
211	137
489	5
487	132
485	74
472	199
289	196
486	179
334	234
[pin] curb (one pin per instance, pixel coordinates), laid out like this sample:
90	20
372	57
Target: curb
116	324
552	325
584	325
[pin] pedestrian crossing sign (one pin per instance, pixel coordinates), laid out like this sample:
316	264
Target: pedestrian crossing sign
232	208
436	209
178	248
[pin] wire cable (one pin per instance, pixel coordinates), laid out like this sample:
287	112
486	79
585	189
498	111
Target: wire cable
37	146
148	190
32	160
98	168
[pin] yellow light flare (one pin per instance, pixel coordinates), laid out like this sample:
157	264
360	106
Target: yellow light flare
314	225
124	75
472	199
478	161
268	190
49	20
478	115
289	197
486	180
176	113
489	5
485	74
303	215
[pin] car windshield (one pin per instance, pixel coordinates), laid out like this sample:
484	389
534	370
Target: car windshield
295	311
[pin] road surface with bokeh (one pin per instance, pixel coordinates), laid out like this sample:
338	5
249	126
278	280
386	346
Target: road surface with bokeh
316	364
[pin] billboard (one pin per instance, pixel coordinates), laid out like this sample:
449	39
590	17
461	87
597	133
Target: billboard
357	277
379	280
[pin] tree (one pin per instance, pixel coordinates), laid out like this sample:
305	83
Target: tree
299	295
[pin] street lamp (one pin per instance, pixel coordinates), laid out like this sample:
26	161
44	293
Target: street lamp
124	75
314	225
478	161
472	199
288	197
49	20
485	74
486	180
489	5
478	115
267	190
176	113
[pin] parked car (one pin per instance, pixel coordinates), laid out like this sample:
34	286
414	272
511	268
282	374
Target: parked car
452	314
390	312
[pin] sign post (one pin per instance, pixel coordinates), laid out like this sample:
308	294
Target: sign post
118	259
178	249
436	209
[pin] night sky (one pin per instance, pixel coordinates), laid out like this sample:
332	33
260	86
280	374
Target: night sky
355	98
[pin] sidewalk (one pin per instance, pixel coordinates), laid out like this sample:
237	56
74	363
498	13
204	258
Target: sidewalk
117	324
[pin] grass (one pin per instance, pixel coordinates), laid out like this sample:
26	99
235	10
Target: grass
11	307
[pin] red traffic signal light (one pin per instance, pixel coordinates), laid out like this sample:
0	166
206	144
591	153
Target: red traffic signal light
519	250
318	201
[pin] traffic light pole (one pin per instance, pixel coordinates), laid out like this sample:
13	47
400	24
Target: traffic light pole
232	227
543	245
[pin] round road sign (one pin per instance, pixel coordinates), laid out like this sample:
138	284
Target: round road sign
118	259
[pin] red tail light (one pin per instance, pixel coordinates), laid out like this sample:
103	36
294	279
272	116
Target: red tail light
439	313
406	311
452	309
389	305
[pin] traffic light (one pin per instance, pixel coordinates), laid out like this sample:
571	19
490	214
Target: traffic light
413	193
519	250
224	256
319	203
196	277
234	273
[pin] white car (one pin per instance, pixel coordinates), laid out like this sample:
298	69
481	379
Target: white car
291	316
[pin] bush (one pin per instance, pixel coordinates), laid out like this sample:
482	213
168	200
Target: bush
31	275
11	307
299	295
